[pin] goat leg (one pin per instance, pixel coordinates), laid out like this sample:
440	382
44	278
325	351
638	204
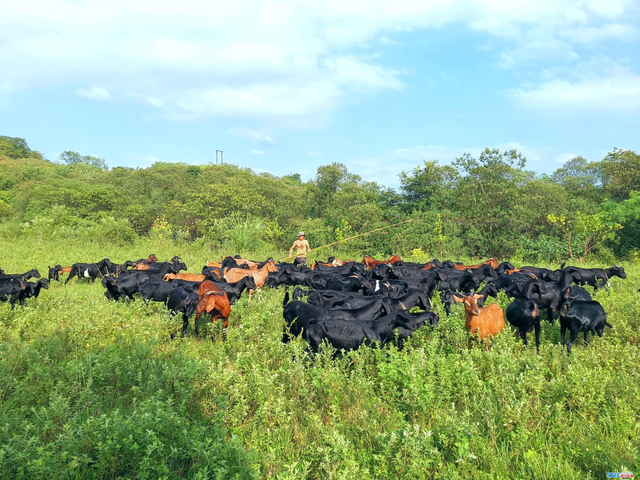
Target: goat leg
185	324
537	328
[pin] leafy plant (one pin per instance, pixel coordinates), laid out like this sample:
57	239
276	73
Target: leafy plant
589	231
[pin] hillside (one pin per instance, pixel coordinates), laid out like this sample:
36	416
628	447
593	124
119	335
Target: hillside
489	206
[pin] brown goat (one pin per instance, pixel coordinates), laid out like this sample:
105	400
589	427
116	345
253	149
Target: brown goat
370	262
212	301
491	261
233	275
189	277
481	322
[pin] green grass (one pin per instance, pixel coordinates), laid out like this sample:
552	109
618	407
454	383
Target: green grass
94	389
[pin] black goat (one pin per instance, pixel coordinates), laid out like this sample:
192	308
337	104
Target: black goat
581	316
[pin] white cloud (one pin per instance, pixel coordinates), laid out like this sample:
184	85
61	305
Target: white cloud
254	135
94	93
287	63
593	86
256	152
596	34
388	41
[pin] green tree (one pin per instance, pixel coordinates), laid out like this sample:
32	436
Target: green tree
428	185
621	173
581	178
294	178
204	209
70	158
585	232
627	213
14	147
485	199
328	181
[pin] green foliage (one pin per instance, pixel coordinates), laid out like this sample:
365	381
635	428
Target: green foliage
87	200
5	210
317	232
588	232
489	206
581	177
428	185
621	173
294	178
486	197
112	411
438	235
544	248
203	210
115	232
14	147
71	158
627	213
329	181
242	234
344	232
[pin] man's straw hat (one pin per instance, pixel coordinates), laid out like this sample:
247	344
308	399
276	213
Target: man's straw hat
301	234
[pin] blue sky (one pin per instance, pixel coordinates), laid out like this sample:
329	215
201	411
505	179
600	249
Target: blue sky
285	87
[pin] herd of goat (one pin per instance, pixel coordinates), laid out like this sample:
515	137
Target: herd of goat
353	303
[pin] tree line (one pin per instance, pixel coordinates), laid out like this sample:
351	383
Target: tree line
490	205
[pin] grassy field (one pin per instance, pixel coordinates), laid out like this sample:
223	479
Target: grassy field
97	389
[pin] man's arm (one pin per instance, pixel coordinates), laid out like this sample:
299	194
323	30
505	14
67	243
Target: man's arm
308	247
291	250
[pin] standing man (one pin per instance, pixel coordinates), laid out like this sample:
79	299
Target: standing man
302	247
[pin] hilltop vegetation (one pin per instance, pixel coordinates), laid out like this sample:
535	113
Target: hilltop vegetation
476	207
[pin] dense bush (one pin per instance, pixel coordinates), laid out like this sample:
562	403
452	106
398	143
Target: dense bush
480	207
117	411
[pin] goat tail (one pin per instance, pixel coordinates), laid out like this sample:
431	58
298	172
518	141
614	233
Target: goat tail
286	299
607	324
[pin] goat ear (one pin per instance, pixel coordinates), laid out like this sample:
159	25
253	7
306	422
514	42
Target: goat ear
457	299
476	296
567	292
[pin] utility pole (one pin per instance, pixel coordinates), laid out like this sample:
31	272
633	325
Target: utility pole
221	158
